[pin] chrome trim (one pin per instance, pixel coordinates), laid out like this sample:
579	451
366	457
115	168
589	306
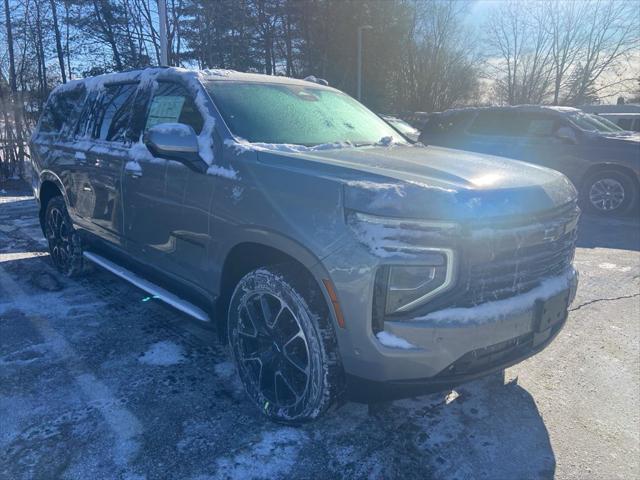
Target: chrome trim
402	222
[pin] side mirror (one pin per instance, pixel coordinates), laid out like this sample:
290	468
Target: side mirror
175	141
567	134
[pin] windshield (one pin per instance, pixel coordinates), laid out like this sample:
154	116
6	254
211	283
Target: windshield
610	124
592	123
294	114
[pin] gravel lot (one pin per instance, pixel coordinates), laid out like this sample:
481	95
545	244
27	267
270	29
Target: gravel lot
98	381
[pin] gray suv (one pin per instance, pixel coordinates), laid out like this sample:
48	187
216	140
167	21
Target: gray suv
336	259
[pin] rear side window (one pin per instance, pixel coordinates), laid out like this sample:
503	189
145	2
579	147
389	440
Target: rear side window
107	113
172	103
513	124
437	124
499	123
61	111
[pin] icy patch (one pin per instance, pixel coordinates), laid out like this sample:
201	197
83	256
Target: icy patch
494	310
163	353
225	369
272	457
388	339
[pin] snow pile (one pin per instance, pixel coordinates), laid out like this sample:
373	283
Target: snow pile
384	240
172	129
501	308
386	195
243	145
217	72
388	339
163	354
133	166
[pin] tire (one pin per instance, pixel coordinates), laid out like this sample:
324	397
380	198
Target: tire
608	192
283	344
65	246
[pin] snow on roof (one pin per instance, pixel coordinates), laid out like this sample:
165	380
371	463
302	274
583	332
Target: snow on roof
151	73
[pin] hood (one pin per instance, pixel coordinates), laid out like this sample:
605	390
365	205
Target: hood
438	183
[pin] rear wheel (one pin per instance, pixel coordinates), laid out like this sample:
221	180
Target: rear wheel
608	192
65	246
283	345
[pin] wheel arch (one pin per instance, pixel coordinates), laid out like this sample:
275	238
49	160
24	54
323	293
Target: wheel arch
50	187
253	253
599	167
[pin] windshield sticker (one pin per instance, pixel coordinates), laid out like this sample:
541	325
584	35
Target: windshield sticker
164	109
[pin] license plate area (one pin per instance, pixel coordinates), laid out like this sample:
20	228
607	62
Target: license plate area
549	312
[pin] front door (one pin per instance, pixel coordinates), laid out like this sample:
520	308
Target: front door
155	191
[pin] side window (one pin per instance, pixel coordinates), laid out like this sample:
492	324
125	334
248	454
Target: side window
446	123
499	123
107	113
119	114
512	124
112	112
171	103
541	126
61	111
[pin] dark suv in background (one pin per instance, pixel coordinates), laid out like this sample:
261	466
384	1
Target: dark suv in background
601	159
334	257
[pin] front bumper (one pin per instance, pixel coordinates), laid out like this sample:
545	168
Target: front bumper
450	353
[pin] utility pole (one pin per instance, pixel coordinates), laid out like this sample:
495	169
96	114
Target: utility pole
162	17
360	29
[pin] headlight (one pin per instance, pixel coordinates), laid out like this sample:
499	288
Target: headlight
408	286
429	270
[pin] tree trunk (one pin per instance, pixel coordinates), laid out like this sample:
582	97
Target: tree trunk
17	109
56	30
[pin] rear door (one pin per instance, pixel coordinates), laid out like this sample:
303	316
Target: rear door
107	124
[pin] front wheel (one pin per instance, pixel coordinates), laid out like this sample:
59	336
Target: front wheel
283	344
609	192
64	242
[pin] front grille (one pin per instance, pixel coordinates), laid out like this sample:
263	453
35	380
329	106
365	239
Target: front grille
515	260
518	271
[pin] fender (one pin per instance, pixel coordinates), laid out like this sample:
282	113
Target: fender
50	176
268	238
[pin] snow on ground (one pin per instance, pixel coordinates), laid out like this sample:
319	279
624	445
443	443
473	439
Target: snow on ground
77	401
163	354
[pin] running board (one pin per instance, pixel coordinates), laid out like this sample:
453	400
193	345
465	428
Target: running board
149	287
